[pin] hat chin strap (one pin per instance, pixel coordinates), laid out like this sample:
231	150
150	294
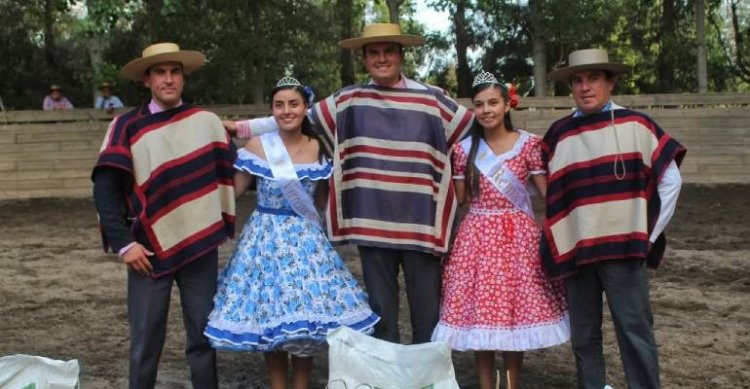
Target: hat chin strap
618	158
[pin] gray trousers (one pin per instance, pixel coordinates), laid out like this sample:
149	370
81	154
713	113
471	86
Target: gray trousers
148	306
625	283
422	273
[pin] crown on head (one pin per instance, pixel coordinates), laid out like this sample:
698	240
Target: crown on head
484	78
288	81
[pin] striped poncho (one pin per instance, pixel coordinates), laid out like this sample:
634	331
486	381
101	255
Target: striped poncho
182	196
391	185
592	215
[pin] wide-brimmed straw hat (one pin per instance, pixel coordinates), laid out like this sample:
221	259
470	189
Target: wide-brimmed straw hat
160	53
54	87
382	32
589	59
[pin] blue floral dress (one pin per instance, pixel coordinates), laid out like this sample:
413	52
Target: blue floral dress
284	286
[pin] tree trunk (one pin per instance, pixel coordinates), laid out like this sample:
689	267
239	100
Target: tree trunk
700	22
463	73
256	68
49	33
345	14
154	18
743	69
393	12
539	49
665	69
95	46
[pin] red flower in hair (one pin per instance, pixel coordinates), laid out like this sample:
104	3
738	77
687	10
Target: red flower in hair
512	95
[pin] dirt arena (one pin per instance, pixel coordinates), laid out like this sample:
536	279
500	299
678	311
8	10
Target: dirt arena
64	299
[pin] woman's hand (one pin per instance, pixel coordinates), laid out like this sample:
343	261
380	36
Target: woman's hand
231	127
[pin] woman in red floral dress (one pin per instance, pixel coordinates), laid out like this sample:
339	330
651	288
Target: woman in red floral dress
496	295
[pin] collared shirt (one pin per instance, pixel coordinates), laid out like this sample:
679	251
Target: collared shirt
50	104
153	107
401	84
605	108
111	101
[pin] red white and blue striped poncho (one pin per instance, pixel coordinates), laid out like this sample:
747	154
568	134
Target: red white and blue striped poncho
591	215
182	196
391	185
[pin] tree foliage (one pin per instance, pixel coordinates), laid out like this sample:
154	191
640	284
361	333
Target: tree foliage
738	40
657	38
251	44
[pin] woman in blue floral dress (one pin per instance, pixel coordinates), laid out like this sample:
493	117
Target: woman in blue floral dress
284	286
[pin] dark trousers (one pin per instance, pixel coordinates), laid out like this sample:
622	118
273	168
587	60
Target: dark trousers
625	283
422	273
148	306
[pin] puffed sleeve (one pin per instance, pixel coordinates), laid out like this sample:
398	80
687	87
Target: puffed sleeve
533	155
458	160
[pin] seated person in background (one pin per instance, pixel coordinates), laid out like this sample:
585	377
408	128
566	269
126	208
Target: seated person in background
107	100
55	100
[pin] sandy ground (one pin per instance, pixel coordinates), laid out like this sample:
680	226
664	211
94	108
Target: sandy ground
64	299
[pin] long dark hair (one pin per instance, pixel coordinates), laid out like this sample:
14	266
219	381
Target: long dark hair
477	132
307	128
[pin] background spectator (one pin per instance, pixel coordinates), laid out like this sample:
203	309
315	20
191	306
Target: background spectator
107	100
55	99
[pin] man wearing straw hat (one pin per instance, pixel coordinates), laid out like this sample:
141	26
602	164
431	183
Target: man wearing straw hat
164	193
107	101
55	100
391	190
613	187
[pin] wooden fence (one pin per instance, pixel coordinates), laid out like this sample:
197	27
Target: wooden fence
50	154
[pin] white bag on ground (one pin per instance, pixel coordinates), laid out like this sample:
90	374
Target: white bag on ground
33	372
357	361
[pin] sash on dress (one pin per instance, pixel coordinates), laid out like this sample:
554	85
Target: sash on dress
286	177
494	168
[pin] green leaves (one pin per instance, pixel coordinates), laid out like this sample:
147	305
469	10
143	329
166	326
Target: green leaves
250	44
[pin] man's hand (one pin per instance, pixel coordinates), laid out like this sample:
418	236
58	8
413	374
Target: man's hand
231	127
136	259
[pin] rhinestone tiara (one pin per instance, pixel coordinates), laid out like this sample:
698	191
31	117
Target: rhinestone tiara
288	81
484	78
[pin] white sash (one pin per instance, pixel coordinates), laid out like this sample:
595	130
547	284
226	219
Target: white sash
502	178
286	177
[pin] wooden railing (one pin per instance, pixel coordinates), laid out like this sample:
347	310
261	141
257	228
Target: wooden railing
657	101
50	154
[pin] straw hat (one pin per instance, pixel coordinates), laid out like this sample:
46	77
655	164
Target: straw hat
160	53
54	87
105	84
588	59
382	32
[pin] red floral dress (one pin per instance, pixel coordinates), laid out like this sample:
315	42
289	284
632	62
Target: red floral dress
496	295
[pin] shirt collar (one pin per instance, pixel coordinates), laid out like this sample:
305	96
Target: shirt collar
404	83
156	108
401	84
606	108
